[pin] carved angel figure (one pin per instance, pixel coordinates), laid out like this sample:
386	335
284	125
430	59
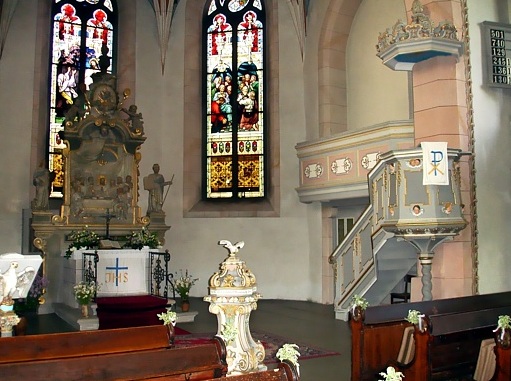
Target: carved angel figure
11	281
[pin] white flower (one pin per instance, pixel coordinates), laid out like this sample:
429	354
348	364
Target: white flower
503	323
84	292
391	375
169	317
414	316
359	301
289	352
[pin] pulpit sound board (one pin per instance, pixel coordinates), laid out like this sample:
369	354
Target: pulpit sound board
497	45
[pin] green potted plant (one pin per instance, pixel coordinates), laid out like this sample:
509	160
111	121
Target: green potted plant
31	303
84	293
141	239
182	286
24	307
82	239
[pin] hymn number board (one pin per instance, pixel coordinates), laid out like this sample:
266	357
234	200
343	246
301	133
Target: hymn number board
497	42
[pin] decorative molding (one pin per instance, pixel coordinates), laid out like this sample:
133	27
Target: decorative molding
369	160
406	44
341	166
312	171
345	160
471	147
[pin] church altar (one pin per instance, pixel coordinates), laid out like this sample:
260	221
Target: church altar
121	272
100	188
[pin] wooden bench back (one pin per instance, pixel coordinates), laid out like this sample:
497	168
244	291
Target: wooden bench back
457	327
286	371
83	343
199	362
397	312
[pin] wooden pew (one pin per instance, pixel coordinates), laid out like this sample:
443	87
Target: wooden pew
72	344
140	353
503	363
448	349
286	371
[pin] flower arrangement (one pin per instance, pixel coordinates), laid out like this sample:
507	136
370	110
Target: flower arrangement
85	292
137	240
169	317
84	238
33	300
503	323
391	375
413	316
183	284
359	301
289	352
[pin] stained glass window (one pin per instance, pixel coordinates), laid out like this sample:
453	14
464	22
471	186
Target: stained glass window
82	30
234	126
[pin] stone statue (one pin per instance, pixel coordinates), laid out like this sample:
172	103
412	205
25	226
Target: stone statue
155	183
41	181
135	119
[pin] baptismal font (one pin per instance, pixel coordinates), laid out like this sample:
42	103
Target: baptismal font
17	272
233	296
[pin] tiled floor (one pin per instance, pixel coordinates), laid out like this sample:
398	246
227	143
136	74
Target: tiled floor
307	322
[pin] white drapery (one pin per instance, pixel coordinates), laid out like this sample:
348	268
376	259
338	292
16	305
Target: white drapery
435	163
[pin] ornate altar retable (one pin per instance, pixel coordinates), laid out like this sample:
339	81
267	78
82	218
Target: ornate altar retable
101	177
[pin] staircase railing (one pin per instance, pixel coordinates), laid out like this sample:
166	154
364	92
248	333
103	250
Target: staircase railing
353	259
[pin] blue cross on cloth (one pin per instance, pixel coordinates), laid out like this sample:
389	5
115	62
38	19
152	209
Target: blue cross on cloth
116	268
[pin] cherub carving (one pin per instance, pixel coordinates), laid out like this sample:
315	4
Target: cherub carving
135	118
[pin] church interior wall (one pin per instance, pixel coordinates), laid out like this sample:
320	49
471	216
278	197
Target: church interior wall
492	117
271	244
16	96
371	84
287	251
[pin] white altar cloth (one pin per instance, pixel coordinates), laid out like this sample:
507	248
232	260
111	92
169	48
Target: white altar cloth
120	272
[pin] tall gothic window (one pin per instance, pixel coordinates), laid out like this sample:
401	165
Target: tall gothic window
234	125
82	30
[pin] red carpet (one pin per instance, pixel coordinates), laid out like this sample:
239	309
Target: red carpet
271	344
129	311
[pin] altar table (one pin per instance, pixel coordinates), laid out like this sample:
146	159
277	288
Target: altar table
120	272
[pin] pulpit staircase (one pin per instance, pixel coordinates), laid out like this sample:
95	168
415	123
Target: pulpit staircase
373	258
